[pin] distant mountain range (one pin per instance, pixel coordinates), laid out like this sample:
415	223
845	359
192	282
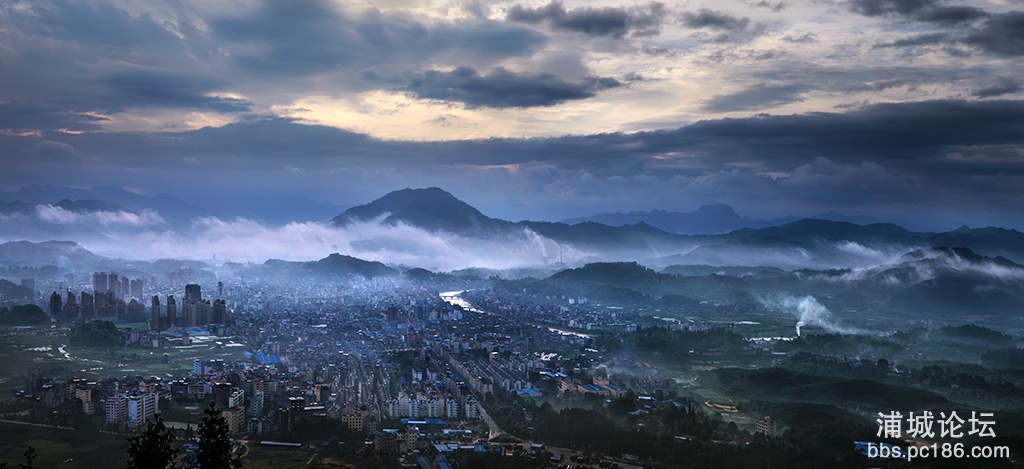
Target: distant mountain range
331	267
341	265
814	243
799	244
708	219
72	256
58	253
106	198
79	206
929	282
431	209
876	267
15	293
274	210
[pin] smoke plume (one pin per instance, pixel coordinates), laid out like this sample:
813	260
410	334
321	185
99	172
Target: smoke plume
809	313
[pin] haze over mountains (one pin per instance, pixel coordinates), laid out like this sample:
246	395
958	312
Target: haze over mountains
275	210
433	229
708	219
847	266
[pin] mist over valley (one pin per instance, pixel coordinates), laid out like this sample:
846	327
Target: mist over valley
848	270
544	234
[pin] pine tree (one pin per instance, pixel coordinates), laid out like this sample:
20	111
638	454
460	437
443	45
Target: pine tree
152	448
214	442
30	456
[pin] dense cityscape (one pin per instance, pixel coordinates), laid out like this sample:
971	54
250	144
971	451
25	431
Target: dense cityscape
504	234
386	358
423	369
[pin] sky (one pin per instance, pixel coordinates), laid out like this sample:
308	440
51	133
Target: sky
898	109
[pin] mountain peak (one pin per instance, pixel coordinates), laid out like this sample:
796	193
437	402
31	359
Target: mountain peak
956	252
90	205
341	264
59	253
717	210
430	208
708	219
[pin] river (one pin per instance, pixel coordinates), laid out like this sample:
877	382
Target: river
452	297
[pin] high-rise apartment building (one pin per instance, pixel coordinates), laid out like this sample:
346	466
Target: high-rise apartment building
70	306
99	282
220	312
154	318
114	284
172	311
141	407
193	292
55	303
136	286
88	309
116	408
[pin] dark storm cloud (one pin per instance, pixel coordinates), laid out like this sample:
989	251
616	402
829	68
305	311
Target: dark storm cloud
921	10
68	64
24	115
998	34
172	90
919	40
930	152
1002	87
759	97
949	16
714	20
886	7
613	22
501	88
81	60
904	135
894	134
1001	34
268	141
94	23
923	138
315	37
56	51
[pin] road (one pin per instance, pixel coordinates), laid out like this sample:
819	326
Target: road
244	445
494	431
18	422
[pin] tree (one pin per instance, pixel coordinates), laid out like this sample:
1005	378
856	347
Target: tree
30	456
214	442
152	449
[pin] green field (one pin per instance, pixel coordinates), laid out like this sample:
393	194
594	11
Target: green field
89	449
62	448
275	458
27	354
44	352
41	353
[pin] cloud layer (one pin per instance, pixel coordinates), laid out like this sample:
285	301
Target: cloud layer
147	237
613	22
906	109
